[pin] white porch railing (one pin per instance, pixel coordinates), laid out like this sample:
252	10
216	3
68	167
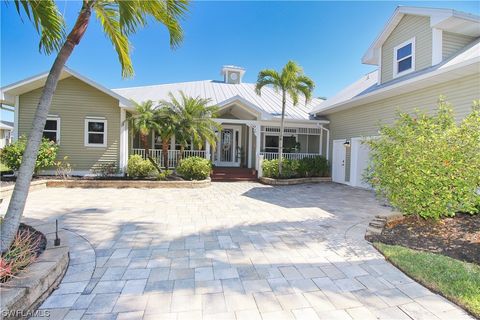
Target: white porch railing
173	155
289	156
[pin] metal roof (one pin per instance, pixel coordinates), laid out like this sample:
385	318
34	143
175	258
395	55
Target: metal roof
6	125
270	102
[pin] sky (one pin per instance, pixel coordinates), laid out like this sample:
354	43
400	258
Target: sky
326	38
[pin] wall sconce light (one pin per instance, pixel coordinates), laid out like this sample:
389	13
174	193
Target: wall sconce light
346	144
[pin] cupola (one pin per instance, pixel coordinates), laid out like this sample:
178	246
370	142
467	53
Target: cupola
232	74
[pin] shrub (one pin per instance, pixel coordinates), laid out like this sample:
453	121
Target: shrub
428	165
105	169
63	168
194	168
12	154
313	167
137	167
306	167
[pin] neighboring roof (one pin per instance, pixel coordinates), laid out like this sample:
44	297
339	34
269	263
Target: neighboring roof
269	104
367	89
9	92
444	19
6	125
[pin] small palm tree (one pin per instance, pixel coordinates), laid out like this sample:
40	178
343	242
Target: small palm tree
194	117
144	121
119	19
291	81
167	121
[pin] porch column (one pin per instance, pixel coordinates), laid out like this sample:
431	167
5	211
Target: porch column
207	150
250	141
257	144
123	159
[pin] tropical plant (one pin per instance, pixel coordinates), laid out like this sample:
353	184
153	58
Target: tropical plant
291	81
167	121
428	165
194	168
194	120
138	167
144	121
119	19
12	154
306	167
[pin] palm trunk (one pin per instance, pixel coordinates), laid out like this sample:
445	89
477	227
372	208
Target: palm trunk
144	139
182	149
165	152
280	138
15	209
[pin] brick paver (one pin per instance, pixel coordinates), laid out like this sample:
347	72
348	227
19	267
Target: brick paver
231	251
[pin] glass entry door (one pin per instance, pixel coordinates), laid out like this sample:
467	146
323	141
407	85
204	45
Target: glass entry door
228	149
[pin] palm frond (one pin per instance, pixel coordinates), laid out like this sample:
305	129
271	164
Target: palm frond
267	77
109	18
47	20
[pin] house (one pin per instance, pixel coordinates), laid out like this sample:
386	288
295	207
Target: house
420	54
6	128
87	120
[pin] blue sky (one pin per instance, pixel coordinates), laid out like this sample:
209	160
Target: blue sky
327	38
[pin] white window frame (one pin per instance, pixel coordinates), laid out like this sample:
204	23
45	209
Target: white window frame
277	134
396	61
57	132
105	133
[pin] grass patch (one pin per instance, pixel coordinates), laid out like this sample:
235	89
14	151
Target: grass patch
456	280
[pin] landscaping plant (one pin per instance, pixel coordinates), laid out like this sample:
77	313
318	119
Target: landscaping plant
194	168
428	165
12	154
63	168
119	19
105	169
138	167
306	167
291	81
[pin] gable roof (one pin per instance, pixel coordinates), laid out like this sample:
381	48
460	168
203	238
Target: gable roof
10	91
444	19
367	89
268	104
6	125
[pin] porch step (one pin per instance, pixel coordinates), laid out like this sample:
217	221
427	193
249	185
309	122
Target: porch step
234	174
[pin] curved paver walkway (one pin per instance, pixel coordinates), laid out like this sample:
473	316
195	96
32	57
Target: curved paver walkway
231	251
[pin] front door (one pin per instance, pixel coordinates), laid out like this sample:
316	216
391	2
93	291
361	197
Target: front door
338	161
228	149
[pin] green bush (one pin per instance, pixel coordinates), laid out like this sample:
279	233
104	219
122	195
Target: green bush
428	165
306	167
194	168
12	154
313	167
137	167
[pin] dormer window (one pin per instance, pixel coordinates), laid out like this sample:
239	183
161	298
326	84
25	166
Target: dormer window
404	58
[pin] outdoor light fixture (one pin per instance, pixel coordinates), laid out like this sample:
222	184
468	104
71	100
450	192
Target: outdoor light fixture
346	144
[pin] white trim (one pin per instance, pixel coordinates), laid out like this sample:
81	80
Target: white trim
105	133
57	132
15	118
233	163
250	141
123	140
437	46
397	74
379	80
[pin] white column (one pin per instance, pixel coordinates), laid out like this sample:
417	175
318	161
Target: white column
437	42
250	149
123	141
257	144
207	150
15	118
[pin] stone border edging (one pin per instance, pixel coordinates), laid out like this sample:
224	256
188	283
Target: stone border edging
35	185
376	226
126	184
22	295
287	182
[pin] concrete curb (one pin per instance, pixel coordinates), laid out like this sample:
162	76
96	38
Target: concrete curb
126	184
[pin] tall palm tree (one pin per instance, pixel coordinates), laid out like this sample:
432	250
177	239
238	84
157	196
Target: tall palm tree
144	121
291	81
195	122
119	19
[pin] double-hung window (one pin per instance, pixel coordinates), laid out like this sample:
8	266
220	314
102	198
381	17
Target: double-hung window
95	132
52	129
404	58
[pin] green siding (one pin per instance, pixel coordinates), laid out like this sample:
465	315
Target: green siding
410	26
453	42
73	101
364	120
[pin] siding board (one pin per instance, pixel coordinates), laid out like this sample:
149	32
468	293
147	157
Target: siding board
73	101
453	42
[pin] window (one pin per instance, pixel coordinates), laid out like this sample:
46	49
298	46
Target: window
404	58
289	144
52	129
95	133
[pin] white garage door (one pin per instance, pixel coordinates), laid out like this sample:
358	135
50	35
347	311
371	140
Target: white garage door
359	162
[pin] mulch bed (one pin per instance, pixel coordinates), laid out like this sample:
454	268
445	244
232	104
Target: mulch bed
457	237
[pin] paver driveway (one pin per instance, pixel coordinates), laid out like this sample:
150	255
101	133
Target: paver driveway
231	251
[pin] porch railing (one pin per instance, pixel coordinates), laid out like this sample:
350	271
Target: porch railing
173	155
289	156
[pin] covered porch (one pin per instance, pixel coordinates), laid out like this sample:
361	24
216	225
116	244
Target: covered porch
247	135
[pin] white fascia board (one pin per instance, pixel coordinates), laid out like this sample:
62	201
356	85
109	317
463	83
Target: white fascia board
390	90
257	111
